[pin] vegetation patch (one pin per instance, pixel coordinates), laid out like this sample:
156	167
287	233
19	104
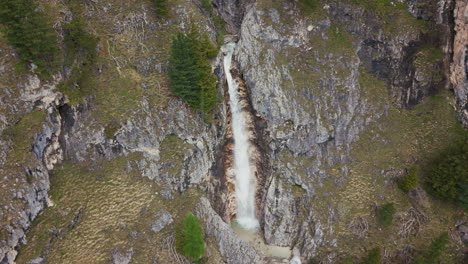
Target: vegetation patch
308	6
162	8
190	73
172	152
373	257
28	29
100	207
433	254
22	134
410	180
385	214
81	55
393	16
448	176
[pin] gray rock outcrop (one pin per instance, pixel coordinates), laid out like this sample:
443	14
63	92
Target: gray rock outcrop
230	246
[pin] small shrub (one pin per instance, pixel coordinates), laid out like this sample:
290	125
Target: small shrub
308	6
385	214
410	180
28	30
373	257
162	8
435	251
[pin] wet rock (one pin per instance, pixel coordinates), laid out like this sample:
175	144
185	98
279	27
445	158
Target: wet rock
231	247
163	218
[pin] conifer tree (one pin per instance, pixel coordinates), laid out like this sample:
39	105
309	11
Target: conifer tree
194	246
183	75
190	75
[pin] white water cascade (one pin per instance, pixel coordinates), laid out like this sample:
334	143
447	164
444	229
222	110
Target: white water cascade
244	178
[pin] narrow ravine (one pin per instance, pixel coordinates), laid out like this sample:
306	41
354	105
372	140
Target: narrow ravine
243	169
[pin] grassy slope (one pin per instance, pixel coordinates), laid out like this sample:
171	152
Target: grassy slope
107	201
106	192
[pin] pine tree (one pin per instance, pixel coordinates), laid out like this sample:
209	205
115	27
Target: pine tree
194	246
183	75
190	72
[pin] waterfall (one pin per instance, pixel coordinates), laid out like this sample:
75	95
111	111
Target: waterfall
243	173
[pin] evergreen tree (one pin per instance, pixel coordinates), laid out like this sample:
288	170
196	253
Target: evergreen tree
183	75
194	246
190	73
29	32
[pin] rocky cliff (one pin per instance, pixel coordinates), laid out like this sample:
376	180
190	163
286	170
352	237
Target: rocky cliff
346	96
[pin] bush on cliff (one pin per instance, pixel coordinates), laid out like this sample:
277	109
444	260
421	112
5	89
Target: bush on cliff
410	180
28	30
448	176
81	54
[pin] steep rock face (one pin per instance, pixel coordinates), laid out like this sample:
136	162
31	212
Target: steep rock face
184	132
176	144
230	246
317	80
459	67
25	177
305	132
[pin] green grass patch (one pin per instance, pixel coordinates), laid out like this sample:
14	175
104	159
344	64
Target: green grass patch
22	134
385	214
